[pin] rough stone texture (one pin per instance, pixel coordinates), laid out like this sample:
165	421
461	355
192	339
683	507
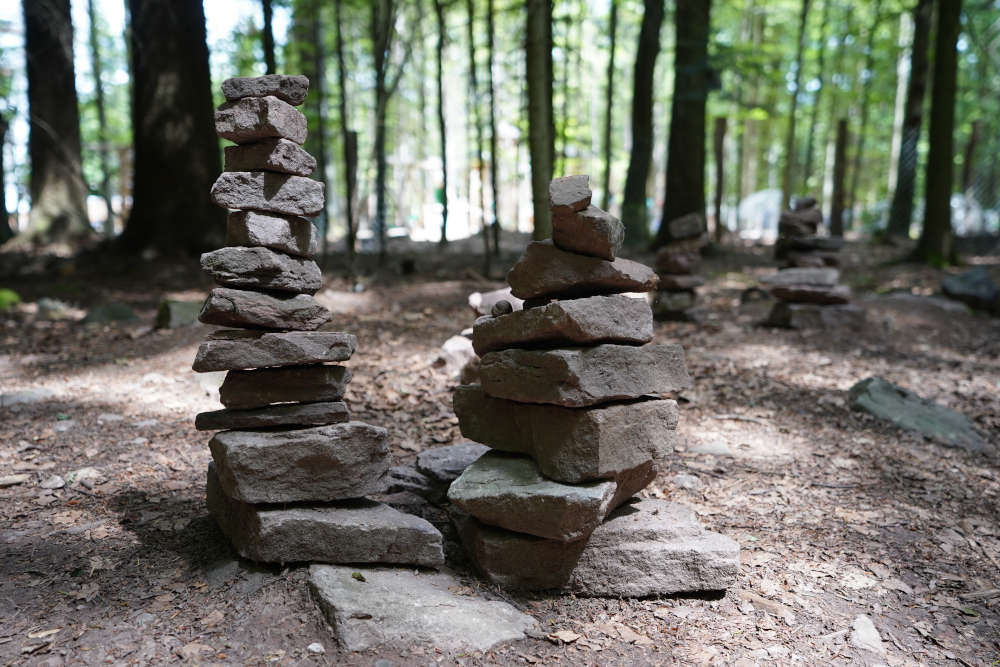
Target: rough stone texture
590	232
506	490
815	316
802	203
799	223
577	377
444	464
597	319
237	349
406	608
294	235
670	302
907	410
674	282
292	384
262	268
644	548
546	271
812	258
254	118
291	88
569	194
832	294
482	302
173	314
268	192
276	154
832	243
321	463
787	277
242	308
358	531
291	414
975	288
677	262
407	479
572	445
687	226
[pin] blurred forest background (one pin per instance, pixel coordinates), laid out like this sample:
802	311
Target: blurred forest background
440	120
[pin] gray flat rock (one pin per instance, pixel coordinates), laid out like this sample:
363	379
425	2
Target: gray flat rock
407	608
290	234
243	308
830	294
803	276
262	268
239	349
569	194
668	302
277	154
644	548
677	262
268	192
572	445
291	384
832	243
320	463
444	464
687	226
359	531
578	377
975	288
255	118
546	271
596	319
589	232
291	88
815	316
907	410
290	414
680	282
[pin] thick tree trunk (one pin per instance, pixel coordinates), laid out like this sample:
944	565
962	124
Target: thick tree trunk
609	105
494	160
635	215
538	61
470	7
866	91
349	141
439	12
268	37
935	243
718	142
685	181
786	178
807	170
176	150
57	189
839	171
102	131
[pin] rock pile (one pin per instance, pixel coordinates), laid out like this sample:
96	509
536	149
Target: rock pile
570	401
798	243
677	265
290	469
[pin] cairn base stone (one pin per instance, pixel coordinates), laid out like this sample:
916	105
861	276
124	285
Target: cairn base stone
814	316
296	236
238	349
289	414
291	384
546	271
242	308
263	269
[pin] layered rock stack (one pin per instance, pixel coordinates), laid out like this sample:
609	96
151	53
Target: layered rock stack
798	243
290	468
677	265
571	402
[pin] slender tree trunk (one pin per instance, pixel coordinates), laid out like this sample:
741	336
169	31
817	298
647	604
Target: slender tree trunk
268	37
57	189
899	103
839	171
102	131
866	91
685	181
176	150
718	142
318	85
538	61
439	12
609	105
786	179
348	139
970	153
5	231
494	159
635	214
470	7
814	112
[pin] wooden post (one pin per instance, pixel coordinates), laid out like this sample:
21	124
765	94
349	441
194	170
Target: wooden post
839	169
719	139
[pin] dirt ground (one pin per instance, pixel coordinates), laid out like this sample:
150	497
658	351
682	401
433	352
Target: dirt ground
837	513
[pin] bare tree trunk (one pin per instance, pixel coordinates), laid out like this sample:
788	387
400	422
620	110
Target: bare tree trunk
268	37
866	91
348	139
839	170
5	231
814	112
786	179
102	131
319	99
478	120
494	160
718	142
609	105
439	12
970	152
538	61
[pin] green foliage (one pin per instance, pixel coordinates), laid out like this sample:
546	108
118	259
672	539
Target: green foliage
8	299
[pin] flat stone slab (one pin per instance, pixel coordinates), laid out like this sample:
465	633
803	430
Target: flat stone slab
239	349
578	377
291	88
833	294
596	319
291	384
687	226
647	547
268	192
802	276
816	316
392	606
680	282
907	410
255	118
975	288
677	262
262	268
811	258
831	243
572	445
546	271
277	154
243	308
443	465
290	234
569	194
290	414
321	463
589	232
358	531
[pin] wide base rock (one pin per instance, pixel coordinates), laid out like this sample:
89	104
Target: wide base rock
322	463
289	414
814	316
358	531
291	384
237	349
392	606
644	548
243	308
546	271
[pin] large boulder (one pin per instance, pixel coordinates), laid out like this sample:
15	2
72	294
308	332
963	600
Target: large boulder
545	271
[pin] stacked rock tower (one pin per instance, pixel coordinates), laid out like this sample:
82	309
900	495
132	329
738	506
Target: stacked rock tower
290	469
570	401
677	265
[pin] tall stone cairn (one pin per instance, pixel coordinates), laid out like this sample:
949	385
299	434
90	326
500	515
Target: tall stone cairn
677	265
290	469
806	289
570	401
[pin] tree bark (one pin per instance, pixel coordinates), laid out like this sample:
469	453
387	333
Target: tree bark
609	105
5	231
719	139
538	61
685	180
969	156
321	144
439	12
57	189
814	112
268	37
786	179
176	149
866	91
102	131
349	141
839	171
635	215
494	159
478	121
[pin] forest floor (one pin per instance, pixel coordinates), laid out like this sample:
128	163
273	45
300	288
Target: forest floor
837	513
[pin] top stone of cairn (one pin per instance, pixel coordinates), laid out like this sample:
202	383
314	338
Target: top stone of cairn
569	194
289	88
